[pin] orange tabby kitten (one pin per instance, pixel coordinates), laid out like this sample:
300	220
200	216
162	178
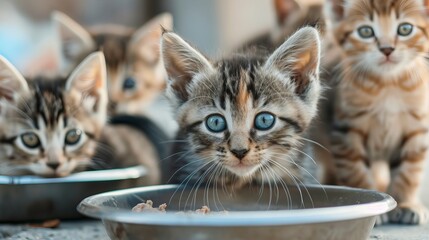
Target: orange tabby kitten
380	138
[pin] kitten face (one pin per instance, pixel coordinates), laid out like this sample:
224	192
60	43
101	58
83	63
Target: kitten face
135	73
381	37
245	113
50	128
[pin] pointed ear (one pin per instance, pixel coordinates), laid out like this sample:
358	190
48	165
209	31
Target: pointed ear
182	63
146	40
335	9
12	83
74	39
298	59
87	83
284	9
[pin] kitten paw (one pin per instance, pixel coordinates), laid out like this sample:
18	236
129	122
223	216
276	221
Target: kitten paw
381	220
412	214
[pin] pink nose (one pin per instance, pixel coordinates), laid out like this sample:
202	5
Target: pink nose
387	50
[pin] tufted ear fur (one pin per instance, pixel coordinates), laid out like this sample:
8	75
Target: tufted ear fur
298	59
145	42
12	83
182	63
74	40
87	84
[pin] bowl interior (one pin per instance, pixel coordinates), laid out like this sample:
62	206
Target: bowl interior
247	199
249	206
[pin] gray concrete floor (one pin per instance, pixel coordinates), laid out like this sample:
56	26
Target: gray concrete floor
93	230
68	230
397	232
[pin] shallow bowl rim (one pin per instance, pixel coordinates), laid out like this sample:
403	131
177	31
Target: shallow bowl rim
237	219
80	177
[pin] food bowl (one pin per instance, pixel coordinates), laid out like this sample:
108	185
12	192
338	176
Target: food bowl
270	212
32	198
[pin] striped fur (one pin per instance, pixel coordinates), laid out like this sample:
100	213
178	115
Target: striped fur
380	136
130	54
47	109
285	84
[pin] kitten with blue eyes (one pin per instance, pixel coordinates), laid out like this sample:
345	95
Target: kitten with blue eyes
243	119
51	126
381	118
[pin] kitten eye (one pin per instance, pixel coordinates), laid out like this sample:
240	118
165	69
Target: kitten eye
366	32
30	140
405	29
264	121
73	136
216	123
129	84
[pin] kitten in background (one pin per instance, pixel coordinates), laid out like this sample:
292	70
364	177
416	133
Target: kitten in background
243	119
135	73
292	15
380	138
51	127
140	124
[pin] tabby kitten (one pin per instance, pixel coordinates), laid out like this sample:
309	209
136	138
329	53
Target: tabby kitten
243	118
50	127
291	15
134	71
135	78
380	140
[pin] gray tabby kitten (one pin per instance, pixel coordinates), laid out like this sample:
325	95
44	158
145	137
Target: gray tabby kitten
50	127
243	118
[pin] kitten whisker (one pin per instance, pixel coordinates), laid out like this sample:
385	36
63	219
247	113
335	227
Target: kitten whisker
316	143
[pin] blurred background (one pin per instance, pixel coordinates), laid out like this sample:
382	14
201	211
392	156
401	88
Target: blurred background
211	25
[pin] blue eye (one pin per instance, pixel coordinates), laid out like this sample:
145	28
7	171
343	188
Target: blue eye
264	121
216	123
129	83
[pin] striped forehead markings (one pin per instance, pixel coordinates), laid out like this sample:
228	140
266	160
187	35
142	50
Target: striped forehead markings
238	81
50	106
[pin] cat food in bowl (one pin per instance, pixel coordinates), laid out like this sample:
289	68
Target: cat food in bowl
311	212
32	198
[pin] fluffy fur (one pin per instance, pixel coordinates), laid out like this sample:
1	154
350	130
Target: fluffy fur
131	55
380	137
41	120
285	84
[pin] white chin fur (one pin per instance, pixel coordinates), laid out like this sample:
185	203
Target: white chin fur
243	171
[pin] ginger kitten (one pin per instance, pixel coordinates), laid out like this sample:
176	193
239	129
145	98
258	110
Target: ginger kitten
51	127
380	138
243	118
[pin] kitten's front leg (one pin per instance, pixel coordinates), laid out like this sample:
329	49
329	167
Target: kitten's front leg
350	158
407	179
